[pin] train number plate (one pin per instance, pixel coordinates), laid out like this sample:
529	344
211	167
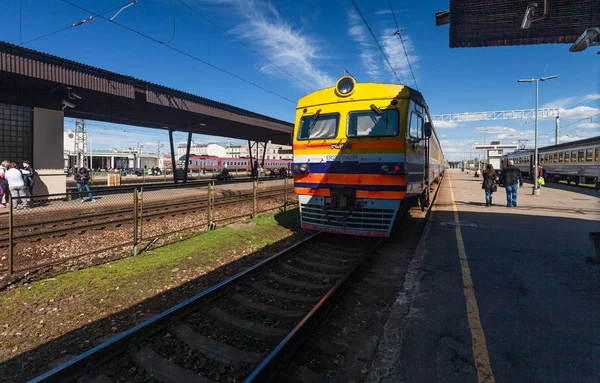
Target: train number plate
342	157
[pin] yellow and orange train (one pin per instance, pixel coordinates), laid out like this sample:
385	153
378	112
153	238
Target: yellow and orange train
360	151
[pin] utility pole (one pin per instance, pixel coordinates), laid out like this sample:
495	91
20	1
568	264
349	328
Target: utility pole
536	187
557	135
80	143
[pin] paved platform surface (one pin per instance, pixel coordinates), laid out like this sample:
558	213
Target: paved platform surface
506	296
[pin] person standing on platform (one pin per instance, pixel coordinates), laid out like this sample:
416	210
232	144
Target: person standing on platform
28	174
512	179
4	190
14	176
82	178
489	183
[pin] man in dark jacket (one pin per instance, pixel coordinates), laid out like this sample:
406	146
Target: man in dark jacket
82	177
512	179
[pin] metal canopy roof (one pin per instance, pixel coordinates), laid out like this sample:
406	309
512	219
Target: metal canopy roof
37	79
477	23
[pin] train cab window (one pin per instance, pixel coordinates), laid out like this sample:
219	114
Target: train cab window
371	124
589	155
318	126
561	156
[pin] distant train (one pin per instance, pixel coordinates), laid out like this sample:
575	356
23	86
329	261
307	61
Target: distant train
361	151
213	163
577	161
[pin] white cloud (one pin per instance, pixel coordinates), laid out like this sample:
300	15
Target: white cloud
368	51
392	46
495	129
589	125
287	47
459	149
446	124
373	60
578	112
571	108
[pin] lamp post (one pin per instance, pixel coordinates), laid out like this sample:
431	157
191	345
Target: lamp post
536	187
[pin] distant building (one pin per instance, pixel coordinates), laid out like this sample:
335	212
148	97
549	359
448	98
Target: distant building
274	152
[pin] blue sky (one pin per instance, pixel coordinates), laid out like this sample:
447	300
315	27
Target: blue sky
293	48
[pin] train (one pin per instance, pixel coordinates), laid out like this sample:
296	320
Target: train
214	163
362	153
576	161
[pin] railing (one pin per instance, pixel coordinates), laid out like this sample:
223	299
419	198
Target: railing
71	230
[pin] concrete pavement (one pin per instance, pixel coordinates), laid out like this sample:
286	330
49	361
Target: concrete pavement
498	294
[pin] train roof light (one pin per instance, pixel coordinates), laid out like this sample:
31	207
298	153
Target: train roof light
345	86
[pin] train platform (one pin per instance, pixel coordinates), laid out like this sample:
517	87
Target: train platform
497	293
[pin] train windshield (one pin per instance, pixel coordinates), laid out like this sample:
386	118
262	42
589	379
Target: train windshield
325	126
373	124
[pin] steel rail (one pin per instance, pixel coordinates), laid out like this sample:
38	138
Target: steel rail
270	365
183	206
103	352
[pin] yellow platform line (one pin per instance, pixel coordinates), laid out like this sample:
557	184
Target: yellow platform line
480	352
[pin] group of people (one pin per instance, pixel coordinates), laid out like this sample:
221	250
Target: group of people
17	182
510	177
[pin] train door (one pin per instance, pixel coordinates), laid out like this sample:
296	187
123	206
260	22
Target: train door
415	151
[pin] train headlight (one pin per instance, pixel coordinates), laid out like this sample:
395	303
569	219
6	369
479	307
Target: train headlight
303	168
345	86
385	168
295	168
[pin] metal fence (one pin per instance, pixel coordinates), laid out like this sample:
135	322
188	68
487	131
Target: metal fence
74	228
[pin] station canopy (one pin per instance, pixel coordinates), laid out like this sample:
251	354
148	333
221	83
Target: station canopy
36	79
477	23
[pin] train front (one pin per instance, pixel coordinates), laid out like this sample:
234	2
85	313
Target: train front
349	157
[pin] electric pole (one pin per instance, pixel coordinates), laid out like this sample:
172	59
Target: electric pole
80	143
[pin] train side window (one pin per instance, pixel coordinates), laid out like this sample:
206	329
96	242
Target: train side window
598	154
561	156
371	124
416	126
580	157
567	156
324	126
589	155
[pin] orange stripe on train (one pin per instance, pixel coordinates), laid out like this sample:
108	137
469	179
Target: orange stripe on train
310	191
351	179
359	193
355	144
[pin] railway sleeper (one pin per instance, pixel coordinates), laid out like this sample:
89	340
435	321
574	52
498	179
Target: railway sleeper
212	349
258	330
164	370
298	284
310	274
283	294
267	309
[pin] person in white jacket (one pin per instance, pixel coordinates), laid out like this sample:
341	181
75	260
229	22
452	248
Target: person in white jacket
14	176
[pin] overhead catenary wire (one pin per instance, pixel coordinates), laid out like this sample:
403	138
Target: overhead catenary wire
173	13
399	33
182	52
375	39
69	27
245	45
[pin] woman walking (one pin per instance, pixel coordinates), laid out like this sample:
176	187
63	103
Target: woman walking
489	183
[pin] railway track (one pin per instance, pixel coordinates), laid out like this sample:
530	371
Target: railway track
244	327
38	227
